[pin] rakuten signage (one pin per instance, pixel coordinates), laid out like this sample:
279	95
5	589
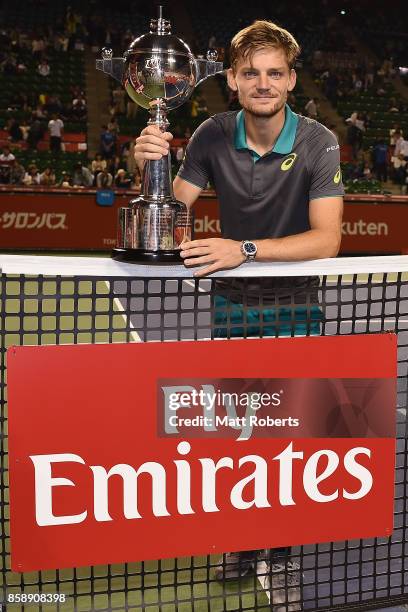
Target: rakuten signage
115	457
55	220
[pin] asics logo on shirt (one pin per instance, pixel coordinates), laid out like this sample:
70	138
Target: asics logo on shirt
288	162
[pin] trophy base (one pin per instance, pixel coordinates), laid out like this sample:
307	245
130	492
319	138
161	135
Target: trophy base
147	257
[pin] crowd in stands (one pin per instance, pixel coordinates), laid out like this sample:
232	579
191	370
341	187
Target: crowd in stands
374	114
361	89
101	172
22	52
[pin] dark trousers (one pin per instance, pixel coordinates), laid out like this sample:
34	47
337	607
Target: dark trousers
381	172
55	144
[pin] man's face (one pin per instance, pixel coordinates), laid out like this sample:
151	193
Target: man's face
263	82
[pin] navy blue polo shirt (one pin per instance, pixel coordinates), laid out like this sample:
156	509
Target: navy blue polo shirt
264	196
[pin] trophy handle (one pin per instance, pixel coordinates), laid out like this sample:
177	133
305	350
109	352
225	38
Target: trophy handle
206	69
114	66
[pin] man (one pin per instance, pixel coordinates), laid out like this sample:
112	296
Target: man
108	143
380	159
278	180
82	176
7	159
56	129
104	179
312	107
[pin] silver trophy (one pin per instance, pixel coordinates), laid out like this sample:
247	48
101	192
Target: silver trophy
159	73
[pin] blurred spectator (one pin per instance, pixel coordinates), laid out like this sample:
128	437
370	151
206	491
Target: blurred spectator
53	105
395	134
359	122
357	82
393	106
104	180
79	107
312	108
7	159
401	148
398	169
366	171
113	126
179	154
32	176
137	179
128	157
9	65
77	92
56	129
47	178
64	41
354	134
369	76
38	47
35	134
25	129
65	181
380	159
108	143
118	98
122	181
79	44
17	173
72	19
98	164
15	131
39	112
82	176
116	164
44	68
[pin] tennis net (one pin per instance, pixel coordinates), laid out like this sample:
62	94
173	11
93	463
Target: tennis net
49	300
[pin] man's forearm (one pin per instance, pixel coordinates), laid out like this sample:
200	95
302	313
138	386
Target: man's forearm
314	244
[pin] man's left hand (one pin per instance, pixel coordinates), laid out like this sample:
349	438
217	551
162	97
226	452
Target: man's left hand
220	253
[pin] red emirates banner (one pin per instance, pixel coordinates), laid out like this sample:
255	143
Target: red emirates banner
112	460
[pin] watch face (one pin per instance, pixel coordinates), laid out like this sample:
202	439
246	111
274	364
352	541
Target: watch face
250	248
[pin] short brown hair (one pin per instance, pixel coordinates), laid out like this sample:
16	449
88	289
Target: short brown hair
263	34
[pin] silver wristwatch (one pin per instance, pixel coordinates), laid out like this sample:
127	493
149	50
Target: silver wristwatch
249	249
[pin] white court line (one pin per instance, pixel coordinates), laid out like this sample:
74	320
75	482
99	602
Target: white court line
262	574
134	335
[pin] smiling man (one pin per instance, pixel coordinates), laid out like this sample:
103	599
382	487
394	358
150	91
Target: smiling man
276	174
278	181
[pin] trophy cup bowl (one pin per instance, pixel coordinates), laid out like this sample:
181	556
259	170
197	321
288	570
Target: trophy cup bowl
159	73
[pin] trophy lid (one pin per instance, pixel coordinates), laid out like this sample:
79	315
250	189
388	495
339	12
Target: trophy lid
158	40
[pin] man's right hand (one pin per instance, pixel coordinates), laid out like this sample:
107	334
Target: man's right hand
151	144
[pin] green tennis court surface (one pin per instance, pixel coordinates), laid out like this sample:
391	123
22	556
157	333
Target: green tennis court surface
184	585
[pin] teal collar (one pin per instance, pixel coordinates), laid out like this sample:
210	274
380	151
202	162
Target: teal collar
285	141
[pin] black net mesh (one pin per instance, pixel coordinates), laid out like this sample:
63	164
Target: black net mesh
38	310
